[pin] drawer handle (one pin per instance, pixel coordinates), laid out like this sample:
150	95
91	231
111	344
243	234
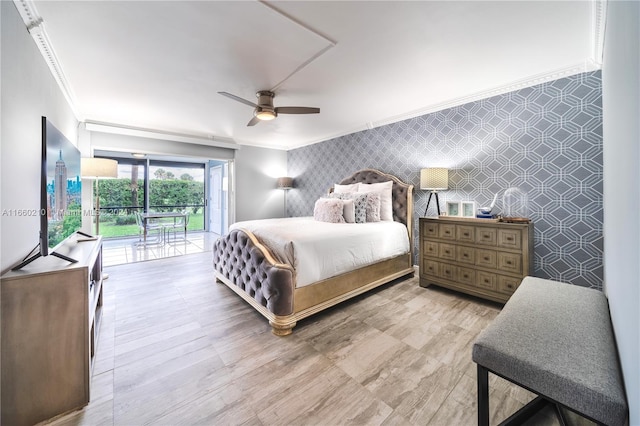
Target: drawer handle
465	255
508	262
466	234
486	237
509	286
486	281
486	258
466	276
509	238
447	251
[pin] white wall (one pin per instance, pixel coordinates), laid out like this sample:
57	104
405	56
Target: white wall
29	92
621	131
256	173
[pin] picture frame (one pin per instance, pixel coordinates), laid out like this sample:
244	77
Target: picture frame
453	208
468	209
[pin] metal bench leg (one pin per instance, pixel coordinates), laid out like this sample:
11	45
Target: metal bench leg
483	396
526	412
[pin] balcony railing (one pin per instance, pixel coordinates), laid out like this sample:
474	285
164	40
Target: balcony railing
120	221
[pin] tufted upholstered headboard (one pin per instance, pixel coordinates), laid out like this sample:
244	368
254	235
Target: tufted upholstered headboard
402	193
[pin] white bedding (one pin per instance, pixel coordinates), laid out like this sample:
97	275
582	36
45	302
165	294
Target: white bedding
320	250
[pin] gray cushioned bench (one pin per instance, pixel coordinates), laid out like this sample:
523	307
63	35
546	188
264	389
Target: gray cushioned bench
555	340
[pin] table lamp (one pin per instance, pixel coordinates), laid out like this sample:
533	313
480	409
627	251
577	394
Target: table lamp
434	179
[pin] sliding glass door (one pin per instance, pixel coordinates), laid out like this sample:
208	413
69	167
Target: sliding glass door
150	185
120	199
178	187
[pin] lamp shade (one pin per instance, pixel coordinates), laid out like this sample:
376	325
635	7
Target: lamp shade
284	183
434	179
98	168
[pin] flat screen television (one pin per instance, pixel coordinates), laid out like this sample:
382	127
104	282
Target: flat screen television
60	193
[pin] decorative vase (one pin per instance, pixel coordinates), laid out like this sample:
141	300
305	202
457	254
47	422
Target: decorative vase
515	205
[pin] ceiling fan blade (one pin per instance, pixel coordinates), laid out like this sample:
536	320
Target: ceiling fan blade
253	121
239	99
297	110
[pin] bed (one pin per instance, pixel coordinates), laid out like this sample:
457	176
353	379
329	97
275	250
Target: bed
285	279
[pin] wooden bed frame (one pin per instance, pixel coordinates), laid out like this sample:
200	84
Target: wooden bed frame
248	268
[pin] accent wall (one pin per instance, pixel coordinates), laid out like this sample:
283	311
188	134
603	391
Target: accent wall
545	140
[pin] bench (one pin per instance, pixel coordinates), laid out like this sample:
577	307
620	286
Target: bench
556	341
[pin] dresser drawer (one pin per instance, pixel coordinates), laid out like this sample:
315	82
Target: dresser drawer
507	285
487	258
466	276
430	248
509	238
486	280
447	271
466	254
509	262
484	258
447	231
429	267
486	236
447	251
465	234
429	229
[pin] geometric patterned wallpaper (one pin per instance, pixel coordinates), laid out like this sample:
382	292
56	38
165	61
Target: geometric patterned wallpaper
545	140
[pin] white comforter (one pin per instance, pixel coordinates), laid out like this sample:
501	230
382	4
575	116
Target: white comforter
319	250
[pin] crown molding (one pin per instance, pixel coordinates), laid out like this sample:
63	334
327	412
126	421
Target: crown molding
598	26
35	26
533	80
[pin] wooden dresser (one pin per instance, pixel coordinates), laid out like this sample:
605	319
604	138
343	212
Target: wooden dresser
481	257
51	312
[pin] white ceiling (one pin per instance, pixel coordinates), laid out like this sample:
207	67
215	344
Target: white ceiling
159	65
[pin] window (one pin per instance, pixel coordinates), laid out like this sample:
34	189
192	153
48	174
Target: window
150	185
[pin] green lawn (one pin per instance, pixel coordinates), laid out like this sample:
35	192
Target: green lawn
109	228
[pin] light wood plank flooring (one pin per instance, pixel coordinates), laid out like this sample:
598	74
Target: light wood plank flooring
177	348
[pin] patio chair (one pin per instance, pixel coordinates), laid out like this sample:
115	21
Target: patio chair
180	224
150	226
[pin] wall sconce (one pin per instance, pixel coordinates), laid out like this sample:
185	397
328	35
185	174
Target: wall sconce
434	179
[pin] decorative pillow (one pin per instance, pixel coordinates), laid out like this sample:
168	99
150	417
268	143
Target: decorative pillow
328	210
373	207
384	189
359	204
348	211
341	189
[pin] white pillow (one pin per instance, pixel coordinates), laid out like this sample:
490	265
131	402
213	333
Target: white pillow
384	189
348	211
328	210
341	189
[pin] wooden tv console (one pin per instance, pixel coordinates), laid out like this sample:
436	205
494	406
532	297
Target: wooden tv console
51	312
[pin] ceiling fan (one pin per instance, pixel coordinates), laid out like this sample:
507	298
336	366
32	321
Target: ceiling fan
264	109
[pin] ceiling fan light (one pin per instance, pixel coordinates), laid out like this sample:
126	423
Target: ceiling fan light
265	115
